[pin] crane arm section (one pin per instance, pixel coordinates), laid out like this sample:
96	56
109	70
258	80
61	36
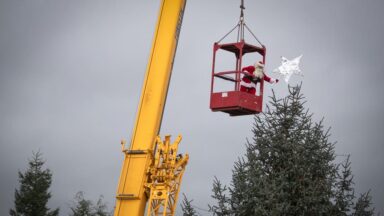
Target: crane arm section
132	192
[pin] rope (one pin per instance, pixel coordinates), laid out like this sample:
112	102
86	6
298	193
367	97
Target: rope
253	34
201	209
229	32
240	25
241	9
240	32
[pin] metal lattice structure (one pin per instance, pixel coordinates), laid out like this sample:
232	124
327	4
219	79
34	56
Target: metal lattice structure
166	172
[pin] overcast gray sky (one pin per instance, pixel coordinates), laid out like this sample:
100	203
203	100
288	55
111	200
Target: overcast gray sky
71	74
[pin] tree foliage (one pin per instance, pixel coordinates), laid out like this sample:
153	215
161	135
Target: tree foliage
363	206
187	208
32	196
85	207
344	193
288	168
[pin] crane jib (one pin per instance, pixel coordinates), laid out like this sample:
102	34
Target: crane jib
152	170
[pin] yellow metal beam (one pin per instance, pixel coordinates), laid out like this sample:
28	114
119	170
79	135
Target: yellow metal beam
131	194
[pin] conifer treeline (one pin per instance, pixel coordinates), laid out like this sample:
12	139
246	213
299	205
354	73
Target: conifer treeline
289	169
32	197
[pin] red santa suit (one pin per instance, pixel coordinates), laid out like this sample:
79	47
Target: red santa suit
250	79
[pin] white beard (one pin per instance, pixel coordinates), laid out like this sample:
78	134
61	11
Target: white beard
259	72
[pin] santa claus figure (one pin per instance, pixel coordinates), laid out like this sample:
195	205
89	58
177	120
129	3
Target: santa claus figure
254	74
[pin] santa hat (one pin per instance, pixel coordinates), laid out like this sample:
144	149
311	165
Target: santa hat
259	64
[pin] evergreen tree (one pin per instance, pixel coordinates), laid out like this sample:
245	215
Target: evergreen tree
101	208
84	207
288	168
219	193
32	197
344	191
363	206
187	208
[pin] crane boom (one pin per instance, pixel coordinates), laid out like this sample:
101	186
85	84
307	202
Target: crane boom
135	180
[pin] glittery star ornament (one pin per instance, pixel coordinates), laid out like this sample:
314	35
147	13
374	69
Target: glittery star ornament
289	67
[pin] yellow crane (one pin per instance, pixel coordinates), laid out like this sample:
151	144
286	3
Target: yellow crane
152	170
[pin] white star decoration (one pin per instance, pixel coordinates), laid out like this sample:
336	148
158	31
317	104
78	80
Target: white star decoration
289	67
